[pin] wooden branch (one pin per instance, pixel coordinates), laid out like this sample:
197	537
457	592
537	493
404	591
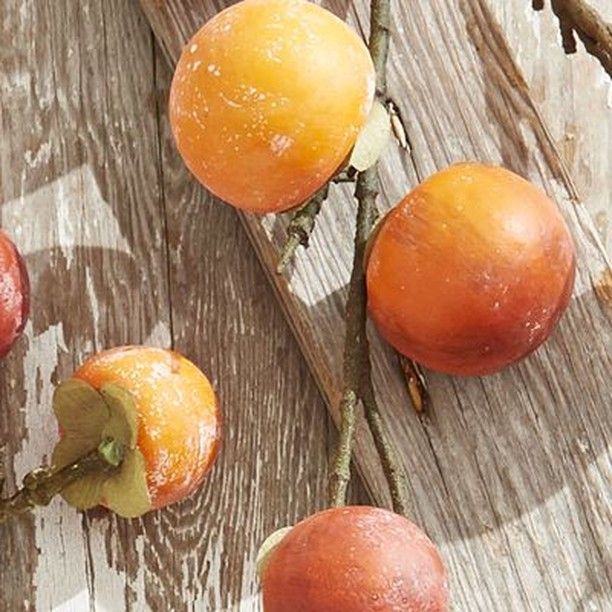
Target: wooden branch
576	17
301	226
357	366
43	484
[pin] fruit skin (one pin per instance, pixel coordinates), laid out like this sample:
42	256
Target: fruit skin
471	271
179	421
267	101
356	558
14	294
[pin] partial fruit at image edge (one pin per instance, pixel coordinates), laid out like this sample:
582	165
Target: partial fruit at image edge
14	294
267	101
173	413
471	271
356	558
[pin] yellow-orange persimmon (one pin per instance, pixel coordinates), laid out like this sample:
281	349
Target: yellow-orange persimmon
179	421
267	101
471	271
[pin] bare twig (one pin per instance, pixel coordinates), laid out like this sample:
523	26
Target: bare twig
391	464
43	484
301	226
576	17
355	348
357	365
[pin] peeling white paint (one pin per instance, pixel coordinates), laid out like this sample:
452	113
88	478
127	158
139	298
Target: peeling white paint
66	213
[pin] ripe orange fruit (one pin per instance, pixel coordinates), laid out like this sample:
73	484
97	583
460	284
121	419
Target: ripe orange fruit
356	558
14	294
471	271
267	101
179	421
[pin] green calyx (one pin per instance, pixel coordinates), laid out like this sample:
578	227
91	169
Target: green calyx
106	420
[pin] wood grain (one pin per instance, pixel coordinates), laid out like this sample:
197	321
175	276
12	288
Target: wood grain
511	474
122	248
574	96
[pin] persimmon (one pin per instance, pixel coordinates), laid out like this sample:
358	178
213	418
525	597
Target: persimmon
471	271
356	558
176	426
14	294
267	101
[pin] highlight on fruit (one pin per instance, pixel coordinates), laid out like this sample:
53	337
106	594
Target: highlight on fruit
356	558
139	429
471	271
267	101
14	294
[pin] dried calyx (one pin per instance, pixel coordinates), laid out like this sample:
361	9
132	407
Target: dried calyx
87	418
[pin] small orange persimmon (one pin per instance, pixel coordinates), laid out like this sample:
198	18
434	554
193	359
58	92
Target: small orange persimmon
178	418
267	101
471	271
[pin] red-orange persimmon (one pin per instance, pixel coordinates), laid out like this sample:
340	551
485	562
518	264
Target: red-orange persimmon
471	271
357	559
14	294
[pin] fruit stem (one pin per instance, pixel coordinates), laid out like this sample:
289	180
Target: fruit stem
357	366
576	17
41	485
301	226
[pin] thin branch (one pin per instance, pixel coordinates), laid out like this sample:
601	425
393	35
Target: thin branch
366	193
357	365
576	17
301	226
389	459
43	484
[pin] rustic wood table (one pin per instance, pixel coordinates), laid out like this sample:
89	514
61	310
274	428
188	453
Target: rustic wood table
510	475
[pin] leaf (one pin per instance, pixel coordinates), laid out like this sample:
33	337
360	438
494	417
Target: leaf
86	492
267	548
126	492
80	410
372	140
123	422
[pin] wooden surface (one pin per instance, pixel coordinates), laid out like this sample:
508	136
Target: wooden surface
574	96
510	475
122	247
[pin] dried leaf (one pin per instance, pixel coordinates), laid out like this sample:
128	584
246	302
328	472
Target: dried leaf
87	417
80	410
123	422
126	492
372	139
267	548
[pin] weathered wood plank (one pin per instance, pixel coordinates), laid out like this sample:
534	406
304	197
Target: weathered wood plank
121	248
575	97
511	474
80	195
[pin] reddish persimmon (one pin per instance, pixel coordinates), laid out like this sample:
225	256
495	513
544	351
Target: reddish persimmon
357	558
471	271
267	101
178	415
14	294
